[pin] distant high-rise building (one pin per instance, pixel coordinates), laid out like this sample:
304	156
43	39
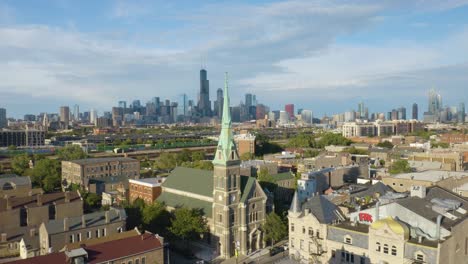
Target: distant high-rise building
219	103
350	116
289	108
307	116
65	115
76	112
123	104
204	104
93	116
254	100
461	113
248	100
3	118
283	117
402	113
415	111
136	104
394	115
435	102
361	110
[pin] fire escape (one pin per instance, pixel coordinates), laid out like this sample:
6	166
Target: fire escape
315	255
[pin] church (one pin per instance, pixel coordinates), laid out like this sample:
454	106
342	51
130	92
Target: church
235	206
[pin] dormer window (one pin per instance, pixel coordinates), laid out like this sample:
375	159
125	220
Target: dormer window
348	240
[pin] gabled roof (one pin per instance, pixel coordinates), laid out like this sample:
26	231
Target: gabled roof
324	210
175	200
379	187
247	184
191	180
94	219
105	252
31	201
423	206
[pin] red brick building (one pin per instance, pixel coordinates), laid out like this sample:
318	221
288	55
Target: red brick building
147	189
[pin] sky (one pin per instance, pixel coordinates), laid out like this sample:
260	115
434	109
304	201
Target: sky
325	56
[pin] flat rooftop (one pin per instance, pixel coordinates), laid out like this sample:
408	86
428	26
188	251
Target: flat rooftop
150	182
431	175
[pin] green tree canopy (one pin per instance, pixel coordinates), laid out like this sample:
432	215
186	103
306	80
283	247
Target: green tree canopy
275	228
198	155
400	166
47	174
20	163
188	224
385	144
71	152
264	176
246	156
302	141
329	138
155	218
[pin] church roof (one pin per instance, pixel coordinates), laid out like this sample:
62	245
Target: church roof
191	180
199	182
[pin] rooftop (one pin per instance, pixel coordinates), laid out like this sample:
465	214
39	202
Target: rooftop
93	219
31	201
106	251
150	182
431	175
15	180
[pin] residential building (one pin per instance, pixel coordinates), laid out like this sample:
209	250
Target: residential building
128	247
447	179
22	138
12	185
81	171
358	129
65	116
450	160
55	234
429	226
245	143
147	189
33	210
235	206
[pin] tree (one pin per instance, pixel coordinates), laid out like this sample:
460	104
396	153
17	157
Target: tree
247	156
166	161
47	174
328	139
400	166
93	200
12	147
198	155
20	163
188	224
71	152
385	144
275	229
264	175
302	141
155	218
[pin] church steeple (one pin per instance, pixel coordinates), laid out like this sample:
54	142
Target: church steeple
226	153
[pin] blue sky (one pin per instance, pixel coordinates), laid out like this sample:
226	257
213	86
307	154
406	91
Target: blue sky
321	55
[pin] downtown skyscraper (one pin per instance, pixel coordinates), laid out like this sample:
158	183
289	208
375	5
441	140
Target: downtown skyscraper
204	104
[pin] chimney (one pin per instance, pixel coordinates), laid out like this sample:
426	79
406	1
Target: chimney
83	221
418	191
39	199
107	215
8	203
377	211
439	221
32	232
67	196
66	226
4	237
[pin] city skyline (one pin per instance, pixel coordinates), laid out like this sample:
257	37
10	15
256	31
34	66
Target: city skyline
380	53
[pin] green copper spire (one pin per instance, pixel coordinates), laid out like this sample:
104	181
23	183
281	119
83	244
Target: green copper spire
226	152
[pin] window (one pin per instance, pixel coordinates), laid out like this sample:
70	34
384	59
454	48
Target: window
78	237
352	258
130	262
104	232
317	233
362	260
71	239
303	230
292	227
97	233
333	253
348	240
420	257
377	248
292	243
394	251
301	245
311	231
385	248
220	218
88	235
137	261
143	260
